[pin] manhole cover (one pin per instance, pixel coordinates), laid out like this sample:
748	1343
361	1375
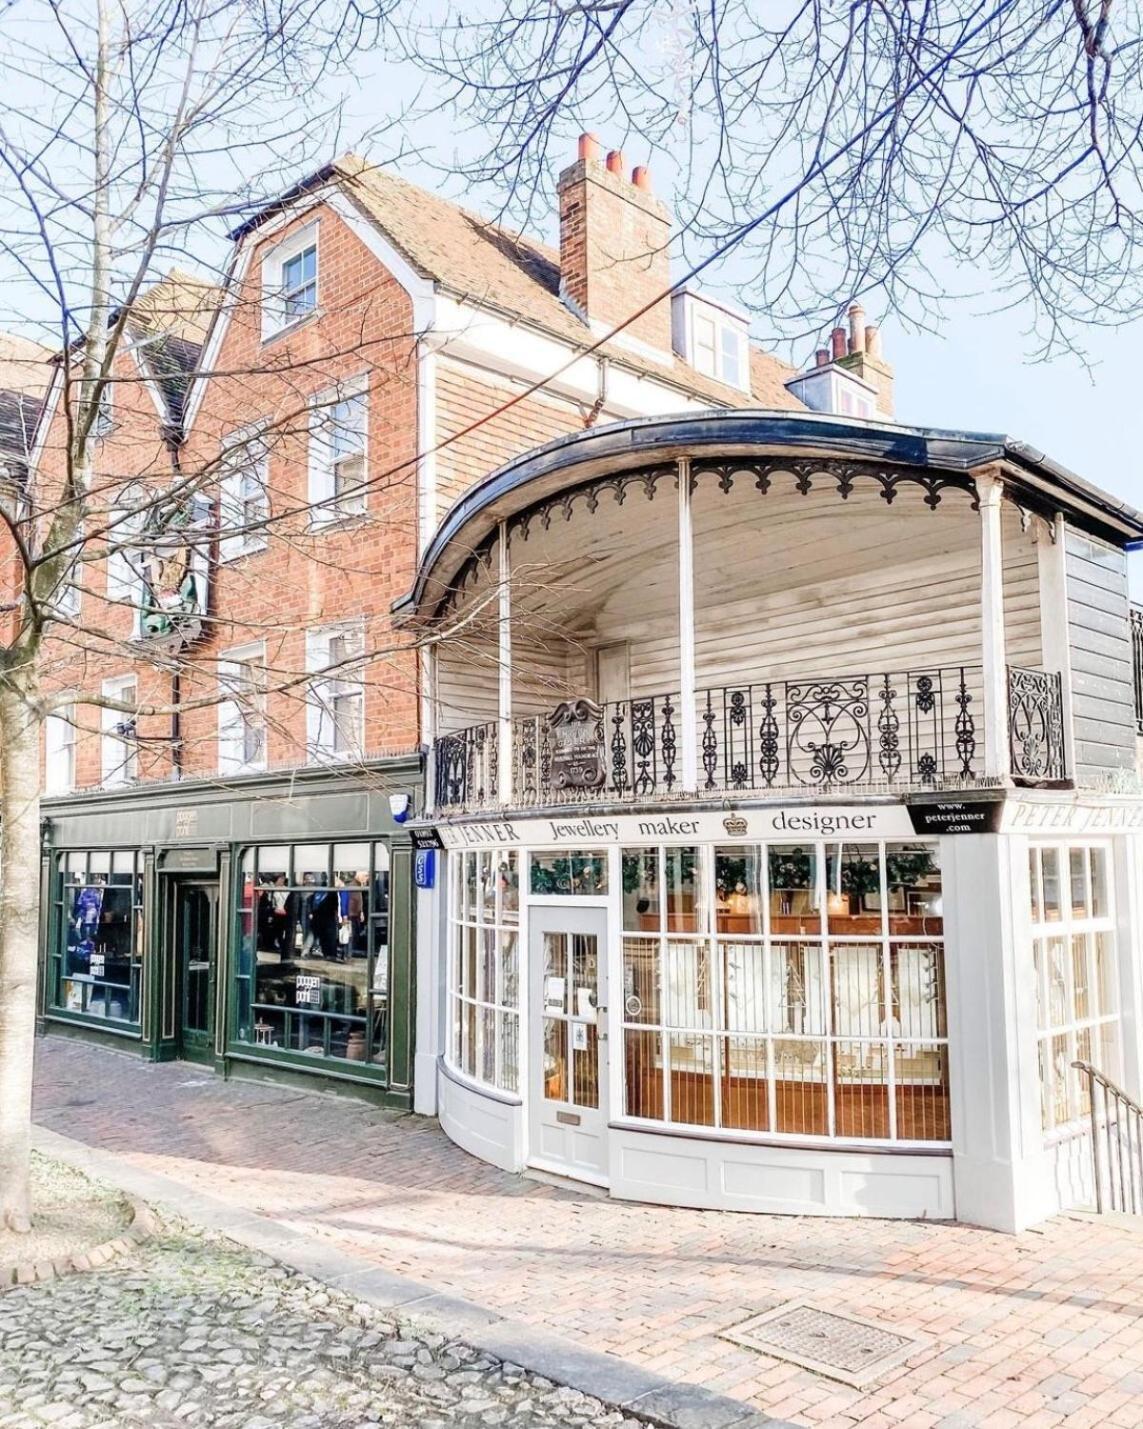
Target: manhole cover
837	1346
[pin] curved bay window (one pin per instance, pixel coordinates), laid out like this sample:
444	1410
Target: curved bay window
790	990
312	966
98	958
484	963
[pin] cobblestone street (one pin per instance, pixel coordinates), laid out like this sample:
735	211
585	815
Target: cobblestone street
191	1332
1035	1330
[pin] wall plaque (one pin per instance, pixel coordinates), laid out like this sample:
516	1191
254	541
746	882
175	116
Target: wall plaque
957	816
577	745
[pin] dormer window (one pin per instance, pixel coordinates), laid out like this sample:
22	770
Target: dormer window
713	340
290	281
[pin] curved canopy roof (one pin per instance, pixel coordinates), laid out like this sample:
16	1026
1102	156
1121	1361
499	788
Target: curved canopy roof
569	462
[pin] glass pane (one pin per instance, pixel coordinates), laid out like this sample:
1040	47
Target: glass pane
913	878
684	893
509	969
487	1057
738	889
922	1074
641	890
311	864
1060	1074
1038	974
470	1038
470	886
1059	1012
744	987
1106	994
745	1087
555	1066
468	984
75	863
861	1089
1077	878
1080	1001
800	1072
856	989
918	976
1034	884
692	1080
486	987
641	979
585	1064
643	1074
589	873
486	880
99	861
797	988
853	888
1050	863
509	1025
1100	884
355	856
509	881
272	862
555	973
584	975
123	861
687	984
794	906
550	873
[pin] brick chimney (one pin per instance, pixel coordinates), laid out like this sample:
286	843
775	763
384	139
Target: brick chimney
613	246
864	359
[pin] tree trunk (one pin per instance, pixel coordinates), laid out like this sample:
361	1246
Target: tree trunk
19	944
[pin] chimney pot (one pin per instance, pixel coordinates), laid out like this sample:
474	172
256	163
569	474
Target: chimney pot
821	357
615	161
872	341
641	177
856	328
838	343
589	146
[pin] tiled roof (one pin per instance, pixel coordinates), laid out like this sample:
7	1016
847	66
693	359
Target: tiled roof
488	265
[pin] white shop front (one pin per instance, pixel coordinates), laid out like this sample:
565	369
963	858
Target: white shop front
796	1009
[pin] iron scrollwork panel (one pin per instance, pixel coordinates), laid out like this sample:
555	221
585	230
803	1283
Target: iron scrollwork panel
827	731
1036	724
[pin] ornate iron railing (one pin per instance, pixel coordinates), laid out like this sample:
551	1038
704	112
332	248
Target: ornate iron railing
467	767
1137	662
1116	1143
638	742
917	728
1036	724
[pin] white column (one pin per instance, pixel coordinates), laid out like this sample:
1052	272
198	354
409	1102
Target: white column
687	720
504	659
990	490
1055	646
427	659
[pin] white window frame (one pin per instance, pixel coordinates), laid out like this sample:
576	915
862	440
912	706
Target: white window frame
494	999
234	721
326	690
325	503
124	580
712	360
245	460
60	737
275	318
118	756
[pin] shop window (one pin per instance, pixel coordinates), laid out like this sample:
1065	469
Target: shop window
770	1021
577	874
1074	962
313	964
97	958
484	967
335	698
242	713
119	744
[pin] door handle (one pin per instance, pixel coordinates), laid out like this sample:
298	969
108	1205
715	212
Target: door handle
601	1023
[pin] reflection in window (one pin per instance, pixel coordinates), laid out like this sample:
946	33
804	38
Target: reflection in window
576	874
313	950
97	964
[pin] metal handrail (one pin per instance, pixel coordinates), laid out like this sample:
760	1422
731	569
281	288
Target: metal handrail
1116	1143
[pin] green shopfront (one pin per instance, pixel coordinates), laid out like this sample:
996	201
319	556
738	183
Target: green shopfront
261	926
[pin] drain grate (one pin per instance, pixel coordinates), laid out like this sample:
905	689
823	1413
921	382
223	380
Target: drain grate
837	1346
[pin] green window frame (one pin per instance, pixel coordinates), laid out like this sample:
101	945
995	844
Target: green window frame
96	956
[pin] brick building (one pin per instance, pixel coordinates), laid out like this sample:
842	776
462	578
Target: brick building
227	876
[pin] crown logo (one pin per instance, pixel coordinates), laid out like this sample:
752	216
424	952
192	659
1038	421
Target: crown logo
735	825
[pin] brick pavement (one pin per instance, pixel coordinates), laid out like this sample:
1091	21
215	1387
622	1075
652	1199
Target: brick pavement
1034	1330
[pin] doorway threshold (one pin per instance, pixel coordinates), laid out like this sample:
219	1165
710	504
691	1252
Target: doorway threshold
565	1183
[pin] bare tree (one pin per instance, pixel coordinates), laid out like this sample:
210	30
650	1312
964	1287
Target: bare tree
147	128
893	150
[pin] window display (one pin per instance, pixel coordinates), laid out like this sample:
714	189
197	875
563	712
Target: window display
796	989
484	916
97	966
312	965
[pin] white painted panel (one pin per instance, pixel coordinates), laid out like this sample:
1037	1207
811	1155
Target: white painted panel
484	1126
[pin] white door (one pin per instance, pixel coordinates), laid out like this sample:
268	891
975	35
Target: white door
568	1095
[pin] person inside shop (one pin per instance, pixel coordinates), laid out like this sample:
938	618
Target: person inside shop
325	917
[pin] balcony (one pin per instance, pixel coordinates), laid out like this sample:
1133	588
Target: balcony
860	734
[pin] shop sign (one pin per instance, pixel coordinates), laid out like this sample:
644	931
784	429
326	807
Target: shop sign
789	824
957	816
577	749
97	966
186	823
425	838
425	867
1064	816
307	991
